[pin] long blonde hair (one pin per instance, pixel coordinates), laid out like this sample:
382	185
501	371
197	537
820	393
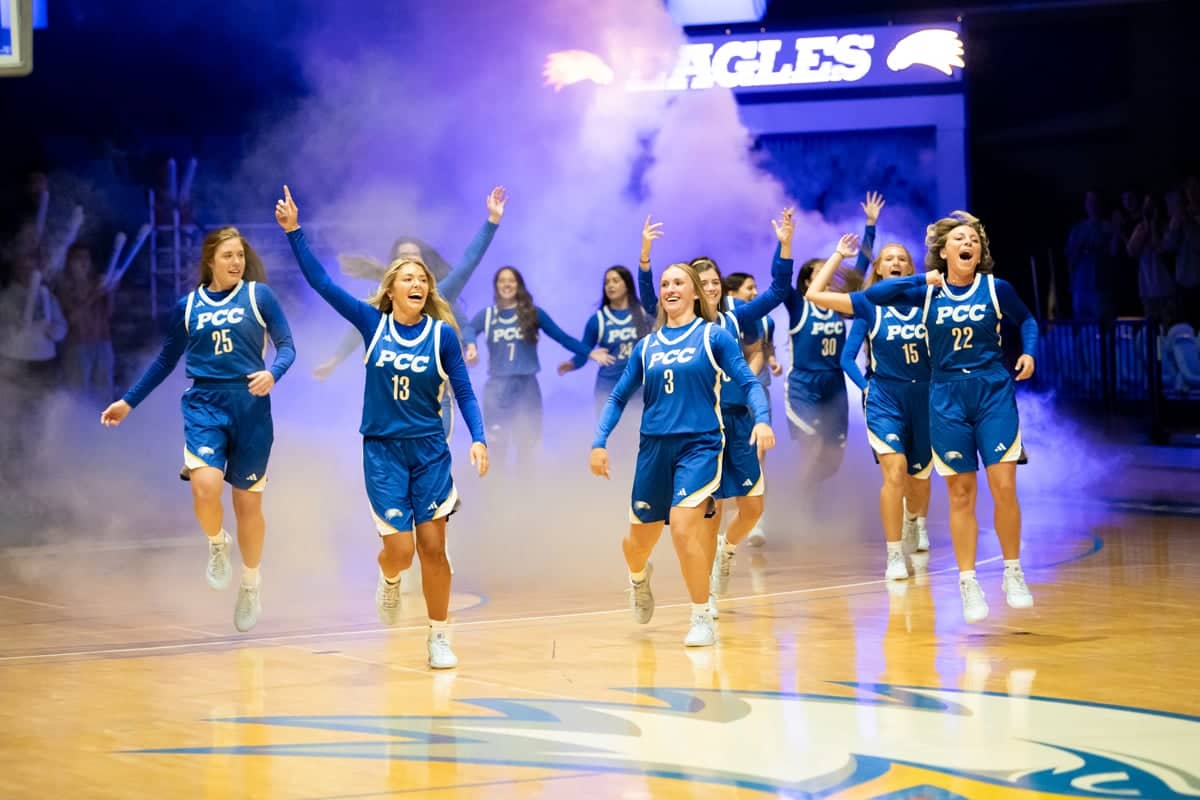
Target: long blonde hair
937	233
435	305
254	271
873	275
703	308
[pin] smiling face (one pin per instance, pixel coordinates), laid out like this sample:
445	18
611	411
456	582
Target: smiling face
409	290
711	285
676	292
747	291
506	286
615	289
962	251
228	264
894	262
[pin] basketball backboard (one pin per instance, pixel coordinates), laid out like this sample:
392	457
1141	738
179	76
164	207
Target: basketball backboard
16	38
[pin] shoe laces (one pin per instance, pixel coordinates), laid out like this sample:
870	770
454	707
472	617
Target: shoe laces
972	592
1014	581
391	594
439	642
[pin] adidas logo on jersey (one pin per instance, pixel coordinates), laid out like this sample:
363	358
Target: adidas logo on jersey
205	451
387	337
392	513
953	455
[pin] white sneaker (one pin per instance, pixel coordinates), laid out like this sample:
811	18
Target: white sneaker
1016	591
248	608
703	632
641	599
440	654
922	535
975	607
756	537
897	569
713	611
220	567
720	571
387	600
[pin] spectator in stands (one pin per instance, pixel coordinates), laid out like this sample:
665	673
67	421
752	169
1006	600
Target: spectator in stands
1182	240
88	302
1156	286
1089	265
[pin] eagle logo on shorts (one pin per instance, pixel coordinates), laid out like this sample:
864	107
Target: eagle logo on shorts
641	505
892	437
205	451
392	513
953	455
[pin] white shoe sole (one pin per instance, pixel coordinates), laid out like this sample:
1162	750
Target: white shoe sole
977	617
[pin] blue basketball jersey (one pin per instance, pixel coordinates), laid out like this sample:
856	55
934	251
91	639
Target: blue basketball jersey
731	394
681	381
508	352
817	339
402	394
227	338
897	345
616	333
963	328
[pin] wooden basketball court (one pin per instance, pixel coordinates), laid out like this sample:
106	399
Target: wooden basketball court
121	674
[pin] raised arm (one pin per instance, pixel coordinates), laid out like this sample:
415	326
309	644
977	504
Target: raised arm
361	315
559	335
452	285
817	293
646	288
1012	307
871	209
351	340
751	313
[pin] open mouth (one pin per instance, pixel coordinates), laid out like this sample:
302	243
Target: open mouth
965	254
895	273
416	297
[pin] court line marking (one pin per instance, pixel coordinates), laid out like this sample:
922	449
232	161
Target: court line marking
32	602
477	785
259	640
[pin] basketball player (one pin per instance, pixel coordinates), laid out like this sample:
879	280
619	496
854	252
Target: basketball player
512	398
615	327
222	326
412	351
972	401
680	368
741	471
896	398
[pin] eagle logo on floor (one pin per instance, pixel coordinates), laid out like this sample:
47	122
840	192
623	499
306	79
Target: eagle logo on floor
887	739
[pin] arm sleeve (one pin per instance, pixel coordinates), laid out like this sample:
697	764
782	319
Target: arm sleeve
474	326
898	292
863	264
559	335
362	316
647	291
168	357
591	335
1012	306
728	354
631	379
751	313
452	285
854	342
277	328
456	369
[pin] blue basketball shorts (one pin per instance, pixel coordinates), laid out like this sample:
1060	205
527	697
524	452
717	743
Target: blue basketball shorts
741	474
974	415
677	470
408	481
897	414
817	405
226	427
